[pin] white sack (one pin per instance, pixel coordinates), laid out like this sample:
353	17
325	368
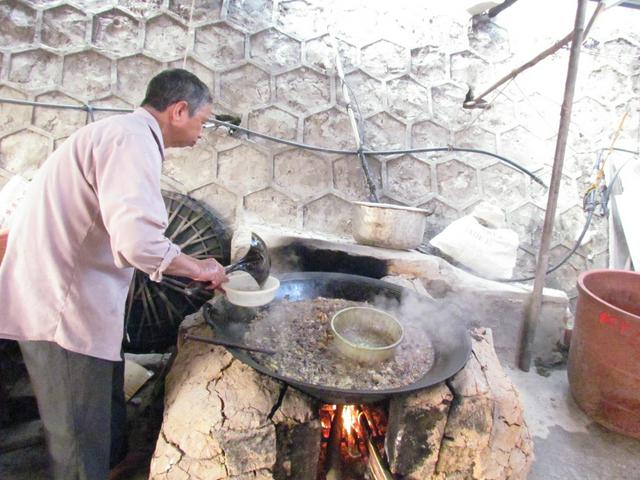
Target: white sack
490	252
489	215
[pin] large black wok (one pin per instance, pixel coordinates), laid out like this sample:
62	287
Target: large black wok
449	337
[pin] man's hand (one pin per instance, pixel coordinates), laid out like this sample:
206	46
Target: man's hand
210	271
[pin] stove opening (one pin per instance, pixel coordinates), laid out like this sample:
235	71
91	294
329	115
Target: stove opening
305	258
353	442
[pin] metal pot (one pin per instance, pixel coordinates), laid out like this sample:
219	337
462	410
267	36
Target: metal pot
365	334
389	226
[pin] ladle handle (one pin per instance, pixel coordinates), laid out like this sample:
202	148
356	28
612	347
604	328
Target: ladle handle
196	287
234	267
225	343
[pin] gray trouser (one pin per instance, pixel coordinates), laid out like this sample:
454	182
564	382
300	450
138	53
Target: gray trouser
74	394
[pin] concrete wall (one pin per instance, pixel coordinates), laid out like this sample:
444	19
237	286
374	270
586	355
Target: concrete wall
270	61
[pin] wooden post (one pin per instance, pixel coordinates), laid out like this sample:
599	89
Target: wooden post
535	304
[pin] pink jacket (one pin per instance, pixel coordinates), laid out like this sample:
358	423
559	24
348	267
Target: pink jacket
93	212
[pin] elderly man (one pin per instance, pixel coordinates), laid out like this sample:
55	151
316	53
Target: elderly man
94	213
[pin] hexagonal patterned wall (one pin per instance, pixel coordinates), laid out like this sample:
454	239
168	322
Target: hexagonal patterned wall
409	66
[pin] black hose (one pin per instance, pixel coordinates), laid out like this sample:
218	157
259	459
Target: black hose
233	127
86	107
588	206
533	176
460	149
291	143
587	223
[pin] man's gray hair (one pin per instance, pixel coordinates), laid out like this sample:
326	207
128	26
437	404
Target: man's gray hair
175	85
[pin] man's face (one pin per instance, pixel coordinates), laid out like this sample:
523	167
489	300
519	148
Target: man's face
187	129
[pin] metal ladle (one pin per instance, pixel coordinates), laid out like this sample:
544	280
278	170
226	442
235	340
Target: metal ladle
256	262
226	343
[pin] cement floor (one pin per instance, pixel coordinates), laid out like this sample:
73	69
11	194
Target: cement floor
568	445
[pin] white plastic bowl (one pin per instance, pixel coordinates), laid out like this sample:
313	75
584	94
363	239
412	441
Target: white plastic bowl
244	291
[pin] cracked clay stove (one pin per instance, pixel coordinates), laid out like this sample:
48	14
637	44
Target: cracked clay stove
230	416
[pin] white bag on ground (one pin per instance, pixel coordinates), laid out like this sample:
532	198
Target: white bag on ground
489	215
490	252
10	198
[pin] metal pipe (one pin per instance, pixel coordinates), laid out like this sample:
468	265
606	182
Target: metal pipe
226	343
354	124
367	174
535	304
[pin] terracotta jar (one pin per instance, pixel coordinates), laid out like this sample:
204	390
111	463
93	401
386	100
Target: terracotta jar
605	349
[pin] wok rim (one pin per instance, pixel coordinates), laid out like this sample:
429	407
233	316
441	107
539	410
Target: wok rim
363	395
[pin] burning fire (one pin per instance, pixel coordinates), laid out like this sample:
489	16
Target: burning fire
349	418
353	433
326	417
352	416
352	429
